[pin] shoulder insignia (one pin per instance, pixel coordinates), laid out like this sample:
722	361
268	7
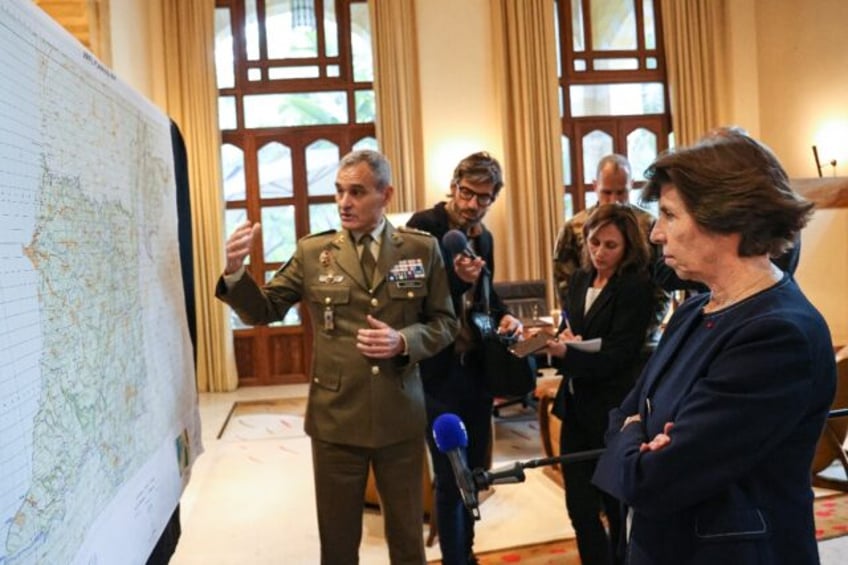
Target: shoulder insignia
414	231
319	234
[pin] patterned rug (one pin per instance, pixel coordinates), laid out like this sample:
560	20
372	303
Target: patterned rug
517	436
276	418
831	512
531	513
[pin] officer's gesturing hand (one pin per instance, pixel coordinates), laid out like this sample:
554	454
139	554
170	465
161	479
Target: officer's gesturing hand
239	244
379	341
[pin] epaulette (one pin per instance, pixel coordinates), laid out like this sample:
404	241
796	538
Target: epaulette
406	229
327	232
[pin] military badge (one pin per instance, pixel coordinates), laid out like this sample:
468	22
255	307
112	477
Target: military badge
407	270
329	276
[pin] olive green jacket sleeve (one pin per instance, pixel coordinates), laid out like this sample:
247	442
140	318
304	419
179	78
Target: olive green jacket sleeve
355	399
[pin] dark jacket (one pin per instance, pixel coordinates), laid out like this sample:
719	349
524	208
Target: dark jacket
748	389
435	221
620	316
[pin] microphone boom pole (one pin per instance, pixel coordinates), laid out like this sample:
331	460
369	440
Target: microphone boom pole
484	479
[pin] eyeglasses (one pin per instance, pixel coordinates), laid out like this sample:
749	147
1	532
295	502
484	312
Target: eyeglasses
483	199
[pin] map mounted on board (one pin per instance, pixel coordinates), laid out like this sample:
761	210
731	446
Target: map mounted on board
98	409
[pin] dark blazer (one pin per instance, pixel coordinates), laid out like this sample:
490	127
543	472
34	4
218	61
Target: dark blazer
435	221
353	399
620	316
748	389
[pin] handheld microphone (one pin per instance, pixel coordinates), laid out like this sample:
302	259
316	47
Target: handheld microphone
456	242
452	439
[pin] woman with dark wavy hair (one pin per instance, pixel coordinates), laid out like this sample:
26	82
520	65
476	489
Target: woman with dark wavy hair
613	298
711	451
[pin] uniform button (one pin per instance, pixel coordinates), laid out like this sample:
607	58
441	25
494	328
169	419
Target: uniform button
374	302
327	300
410	294
375	370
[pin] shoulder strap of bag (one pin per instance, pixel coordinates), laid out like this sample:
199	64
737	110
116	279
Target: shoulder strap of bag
485	286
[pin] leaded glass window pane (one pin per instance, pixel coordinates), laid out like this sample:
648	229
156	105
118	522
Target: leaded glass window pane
290	29
366	143
275	171
232	172
300	109
323	217
596	145
365	107
224	65
613	25
322	162
278	233
251	30
360	43
641	151
617	99
566	159
227	112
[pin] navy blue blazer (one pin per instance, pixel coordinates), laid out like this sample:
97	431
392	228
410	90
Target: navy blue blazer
748	389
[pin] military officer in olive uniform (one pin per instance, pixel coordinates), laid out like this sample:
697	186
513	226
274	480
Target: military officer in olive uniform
366	405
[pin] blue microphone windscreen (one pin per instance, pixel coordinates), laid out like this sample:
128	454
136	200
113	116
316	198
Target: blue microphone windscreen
455	241
449	432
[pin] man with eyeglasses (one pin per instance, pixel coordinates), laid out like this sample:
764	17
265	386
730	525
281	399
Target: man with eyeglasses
452	379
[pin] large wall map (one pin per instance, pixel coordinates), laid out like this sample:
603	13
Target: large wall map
98	411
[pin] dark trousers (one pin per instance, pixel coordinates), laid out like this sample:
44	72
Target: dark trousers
341	472
459	391
583	500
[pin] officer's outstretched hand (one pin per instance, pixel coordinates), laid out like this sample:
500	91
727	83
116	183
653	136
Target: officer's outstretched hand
379	341
239	244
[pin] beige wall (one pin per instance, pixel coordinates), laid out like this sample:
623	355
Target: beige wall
131	45
823	271
744	95
459	105
790	63
802	54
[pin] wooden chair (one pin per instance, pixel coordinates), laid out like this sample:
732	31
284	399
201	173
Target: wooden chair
550	428
831	446
526	300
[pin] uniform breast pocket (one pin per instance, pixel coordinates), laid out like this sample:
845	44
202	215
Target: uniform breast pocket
407	290
327	300
330	295
411	295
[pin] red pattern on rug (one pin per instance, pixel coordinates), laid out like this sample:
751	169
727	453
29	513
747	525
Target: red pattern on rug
831	514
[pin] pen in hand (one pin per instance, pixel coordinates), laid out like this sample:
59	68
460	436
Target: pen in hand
564	326
563	323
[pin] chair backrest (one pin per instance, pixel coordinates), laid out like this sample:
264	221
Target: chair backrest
835	430
525	299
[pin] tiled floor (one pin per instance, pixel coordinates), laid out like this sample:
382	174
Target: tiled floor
214	410
215	407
